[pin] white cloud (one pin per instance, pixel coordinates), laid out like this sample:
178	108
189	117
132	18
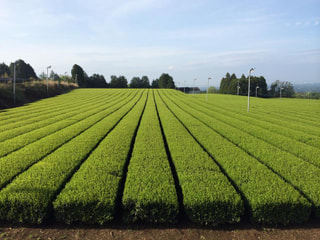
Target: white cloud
133	7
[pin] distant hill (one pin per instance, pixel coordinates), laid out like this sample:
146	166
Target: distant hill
308	87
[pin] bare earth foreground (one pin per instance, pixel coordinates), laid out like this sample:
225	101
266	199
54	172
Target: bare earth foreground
309	231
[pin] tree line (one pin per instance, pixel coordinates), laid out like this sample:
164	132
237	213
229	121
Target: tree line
98	81
23	70
230	84
79	76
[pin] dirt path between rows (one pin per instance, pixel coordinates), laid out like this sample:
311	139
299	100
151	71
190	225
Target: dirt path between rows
309	231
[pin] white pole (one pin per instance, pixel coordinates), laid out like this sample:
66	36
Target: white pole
184	89
251	70
194	84
257	90
48	79
208	88
280	92
238	88
14	83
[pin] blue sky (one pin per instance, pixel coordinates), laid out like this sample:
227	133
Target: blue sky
187	39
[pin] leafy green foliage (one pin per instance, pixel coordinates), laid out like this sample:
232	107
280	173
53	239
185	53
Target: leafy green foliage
16	162
29	197
23	70
287	89
136	82
229	85
265	193
79	75
72	153
93	199
118	82
4	70
166	81
149	193
298	172
28	133
97	81
204	202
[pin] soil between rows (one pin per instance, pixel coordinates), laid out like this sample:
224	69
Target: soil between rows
184	230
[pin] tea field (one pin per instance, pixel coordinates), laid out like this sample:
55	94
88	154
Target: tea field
97	155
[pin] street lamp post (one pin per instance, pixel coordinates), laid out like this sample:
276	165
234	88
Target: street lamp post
48	79
14	83
250	71
194	84
257	90
281	92
208	87
238	87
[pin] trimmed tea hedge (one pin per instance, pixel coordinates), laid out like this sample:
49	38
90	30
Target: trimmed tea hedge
149	193
91	194
29	197
208	196
301	174
268	198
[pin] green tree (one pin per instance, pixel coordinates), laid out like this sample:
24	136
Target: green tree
136	82
213	90
287	89
166	81
97	81
23	70
233	83
4	70
145	82
155	83
43	75
225	84
229	85
243	84
118	82
78	74
54	76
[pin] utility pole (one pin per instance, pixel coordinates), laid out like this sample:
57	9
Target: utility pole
194	85
48	80
208	88
250	71
238	87
14	83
